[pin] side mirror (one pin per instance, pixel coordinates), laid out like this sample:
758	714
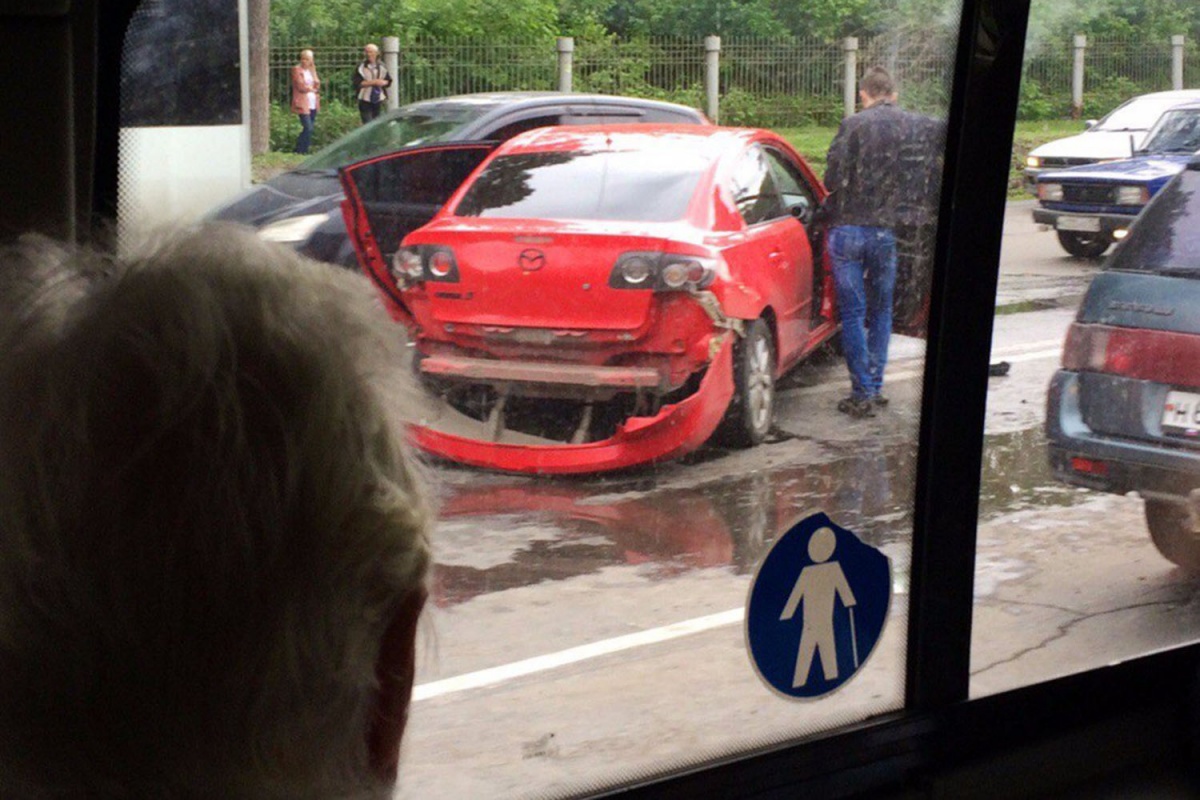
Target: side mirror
802	210
1091	123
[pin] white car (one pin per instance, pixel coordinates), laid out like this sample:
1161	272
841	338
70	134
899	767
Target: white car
1116	136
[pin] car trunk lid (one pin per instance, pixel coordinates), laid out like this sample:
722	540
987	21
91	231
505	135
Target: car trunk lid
518	273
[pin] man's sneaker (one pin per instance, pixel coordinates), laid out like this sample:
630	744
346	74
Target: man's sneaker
857	407
879	400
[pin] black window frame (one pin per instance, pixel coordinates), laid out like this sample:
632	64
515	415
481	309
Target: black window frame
69	118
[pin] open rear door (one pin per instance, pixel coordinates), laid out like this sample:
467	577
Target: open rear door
387	197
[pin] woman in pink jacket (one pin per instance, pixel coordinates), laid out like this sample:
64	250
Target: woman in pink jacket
306	93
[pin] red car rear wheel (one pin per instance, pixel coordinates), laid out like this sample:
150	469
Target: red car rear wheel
751	411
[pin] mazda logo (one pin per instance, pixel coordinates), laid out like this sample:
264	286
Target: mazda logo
531	259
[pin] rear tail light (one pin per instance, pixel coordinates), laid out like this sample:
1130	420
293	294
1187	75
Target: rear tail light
636	270
1141	353
1086	348
414	265
1089	466
662	272
441	264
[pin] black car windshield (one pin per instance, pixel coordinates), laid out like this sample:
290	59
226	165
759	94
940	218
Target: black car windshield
631	185
415	125
1177	131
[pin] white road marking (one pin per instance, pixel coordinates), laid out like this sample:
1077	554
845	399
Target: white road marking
517	669
1013	355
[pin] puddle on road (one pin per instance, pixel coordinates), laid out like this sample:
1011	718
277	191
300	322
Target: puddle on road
499	532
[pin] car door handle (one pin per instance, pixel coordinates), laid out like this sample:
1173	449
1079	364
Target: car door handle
776	256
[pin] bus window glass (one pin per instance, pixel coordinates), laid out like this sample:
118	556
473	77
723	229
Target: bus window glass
628	398
1088	544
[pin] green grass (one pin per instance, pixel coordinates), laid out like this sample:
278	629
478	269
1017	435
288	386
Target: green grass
813	144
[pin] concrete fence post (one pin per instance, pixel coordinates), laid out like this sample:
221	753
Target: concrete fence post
566	62
1177	62
1077	77
850	79
391	60
712	77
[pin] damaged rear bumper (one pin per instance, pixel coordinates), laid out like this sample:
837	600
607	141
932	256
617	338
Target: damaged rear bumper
676	429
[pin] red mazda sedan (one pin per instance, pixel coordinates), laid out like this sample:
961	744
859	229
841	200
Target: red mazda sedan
593	298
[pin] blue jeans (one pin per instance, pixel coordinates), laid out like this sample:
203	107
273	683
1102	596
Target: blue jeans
864	275
307	121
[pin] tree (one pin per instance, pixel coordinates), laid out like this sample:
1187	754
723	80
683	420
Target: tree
259	18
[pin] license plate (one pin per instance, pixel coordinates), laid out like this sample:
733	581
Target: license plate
1181	414
1085	224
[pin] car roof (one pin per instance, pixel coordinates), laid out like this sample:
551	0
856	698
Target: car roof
510	101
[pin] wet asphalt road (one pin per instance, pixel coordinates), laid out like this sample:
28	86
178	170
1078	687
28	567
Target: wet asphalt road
585	630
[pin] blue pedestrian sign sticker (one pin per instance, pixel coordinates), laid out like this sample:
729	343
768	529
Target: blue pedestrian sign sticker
817	608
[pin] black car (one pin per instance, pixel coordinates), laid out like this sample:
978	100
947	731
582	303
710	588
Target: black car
1124	411
302	207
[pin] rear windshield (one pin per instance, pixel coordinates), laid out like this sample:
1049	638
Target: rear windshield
1166	237
420	125
634	186
1177	131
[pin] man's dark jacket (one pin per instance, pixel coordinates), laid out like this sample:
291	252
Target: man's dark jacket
883	168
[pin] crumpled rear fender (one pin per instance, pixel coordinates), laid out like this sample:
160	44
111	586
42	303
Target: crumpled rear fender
675	430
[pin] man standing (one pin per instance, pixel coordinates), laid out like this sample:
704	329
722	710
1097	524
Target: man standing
864	181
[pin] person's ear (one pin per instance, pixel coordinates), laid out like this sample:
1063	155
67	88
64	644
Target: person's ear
395	671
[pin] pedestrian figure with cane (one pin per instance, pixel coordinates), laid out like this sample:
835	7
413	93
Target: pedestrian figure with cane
818	585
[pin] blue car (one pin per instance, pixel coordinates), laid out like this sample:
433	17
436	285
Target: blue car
1123	413
1092	206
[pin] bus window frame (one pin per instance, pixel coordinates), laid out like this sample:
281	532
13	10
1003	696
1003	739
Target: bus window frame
940	731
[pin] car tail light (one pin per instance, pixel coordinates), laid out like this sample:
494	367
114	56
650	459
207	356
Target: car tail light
413	265
1086	347
1089	466
636	270
1141	353
662	272
441	264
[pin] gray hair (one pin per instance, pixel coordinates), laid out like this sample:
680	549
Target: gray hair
207	519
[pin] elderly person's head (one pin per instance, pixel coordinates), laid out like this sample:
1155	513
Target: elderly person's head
212	545
371	53
306	58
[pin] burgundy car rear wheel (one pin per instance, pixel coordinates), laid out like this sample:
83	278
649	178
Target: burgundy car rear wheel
1172	532
751	411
